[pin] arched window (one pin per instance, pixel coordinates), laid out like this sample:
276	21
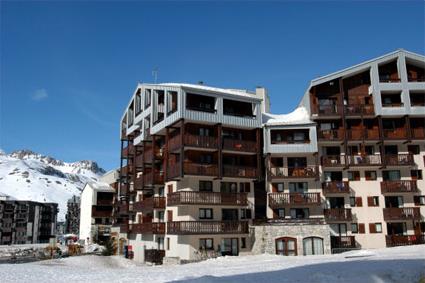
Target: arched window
286	246
313	246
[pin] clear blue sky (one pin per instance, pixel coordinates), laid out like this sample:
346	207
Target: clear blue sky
69	69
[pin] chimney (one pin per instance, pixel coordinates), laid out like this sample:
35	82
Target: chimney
265	100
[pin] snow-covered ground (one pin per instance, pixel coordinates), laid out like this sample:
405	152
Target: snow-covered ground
401	264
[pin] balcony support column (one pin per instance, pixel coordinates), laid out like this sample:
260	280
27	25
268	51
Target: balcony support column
381	138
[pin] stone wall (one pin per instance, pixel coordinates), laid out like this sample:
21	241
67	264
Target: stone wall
264	236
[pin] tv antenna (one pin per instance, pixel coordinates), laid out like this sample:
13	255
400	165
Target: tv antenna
155	72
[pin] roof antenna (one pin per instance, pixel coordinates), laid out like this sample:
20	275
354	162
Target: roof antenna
155	72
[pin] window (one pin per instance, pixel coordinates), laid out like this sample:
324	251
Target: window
205	159
369	149
299	187
373	201
278	187
280	213
375	227
205	213
419	200
391	175
353	176
205	186
313	246
229	214
138	102
416	174
286	246
161	216
200	102
246	213
172	102
244	187
370	175
299	213
228	187
352	201
161	191
354	228
168	244
243	243
413	149
206	244
147	98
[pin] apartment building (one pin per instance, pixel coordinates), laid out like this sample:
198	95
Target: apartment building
208	171
27	222
72	221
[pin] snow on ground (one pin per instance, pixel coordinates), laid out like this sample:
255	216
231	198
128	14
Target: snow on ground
401	264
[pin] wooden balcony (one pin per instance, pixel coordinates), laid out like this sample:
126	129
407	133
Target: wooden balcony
338	214
124	189
399	160
359	110
207	198
200	169
151	178
405	186
95	212
239	145
277	200
327	110
127	151
104	202
200	141
364	160
372	134
148	228
127	170
362	134
148	155
343	242
148	204
207	227
173	170
239	171
418	133
295	172
138	183
174	143
330	135
333	160
336	187
402	213
404	240
395	134
123	208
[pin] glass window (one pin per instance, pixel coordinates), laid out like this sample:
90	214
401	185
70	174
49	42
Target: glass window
206	244
370	175
286	246
413	149
205	213
391	175
205	186
354	228
313	246
352	201
299	187
416	174
353	176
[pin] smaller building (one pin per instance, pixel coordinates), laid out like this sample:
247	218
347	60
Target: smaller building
73	216
27	222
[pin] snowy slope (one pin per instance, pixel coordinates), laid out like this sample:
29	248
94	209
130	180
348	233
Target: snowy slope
25	175
401	264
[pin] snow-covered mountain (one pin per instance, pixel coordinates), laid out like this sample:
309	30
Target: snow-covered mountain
26	175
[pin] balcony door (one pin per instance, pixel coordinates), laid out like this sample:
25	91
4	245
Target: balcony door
229	246
394	201
397	228
286	246
229	214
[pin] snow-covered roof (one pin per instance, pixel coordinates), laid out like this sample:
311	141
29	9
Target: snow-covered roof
240	92
100	186
299	116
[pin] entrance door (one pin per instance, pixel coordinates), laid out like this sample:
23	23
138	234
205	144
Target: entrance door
230	246
286	246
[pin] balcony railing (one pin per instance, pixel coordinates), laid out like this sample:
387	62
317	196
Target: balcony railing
402	213
395	134
148	228
364	160
343	242
107	202
207	227
148	155
333	160
386	79
127	151
336	187
338	214
173	170
239	145
405	186
330	135
200	169
127	170
327	110
95	212
239	171
363	134
404	240
148	204
207	198
418	133
277	200
294	172
174	143
200	141
359	109
151	178
399	160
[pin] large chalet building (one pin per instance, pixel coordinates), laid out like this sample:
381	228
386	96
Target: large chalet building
209	171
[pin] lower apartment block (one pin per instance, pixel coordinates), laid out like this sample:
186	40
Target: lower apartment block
207	172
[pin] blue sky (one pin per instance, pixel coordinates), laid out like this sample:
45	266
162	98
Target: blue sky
69	69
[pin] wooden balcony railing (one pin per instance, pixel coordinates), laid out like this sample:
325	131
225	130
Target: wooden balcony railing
239	145
359	109
402	213
154	256
174	143
138	183
127	151
404	240
123	208
277	200
200	141
173	170
103	202
207	198
148	204
138	160
151	178
399	160
95	212
356	134
330	135
338	214
124	189
127	170
327	110
207	227
239	171
294	172
418	133
333	160
343	242
200	169
148	228
372	134
336	187
364	160
405	186
395	134
148	155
